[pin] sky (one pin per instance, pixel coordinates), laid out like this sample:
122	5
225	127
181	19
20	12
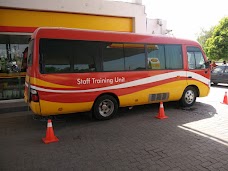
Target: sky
187	18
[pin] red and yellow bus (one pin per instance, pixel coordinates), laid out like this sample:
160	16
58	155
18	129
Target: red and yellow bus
76	70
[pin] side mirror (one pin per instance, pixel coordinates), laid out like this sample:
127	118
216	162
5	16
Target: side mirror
207	64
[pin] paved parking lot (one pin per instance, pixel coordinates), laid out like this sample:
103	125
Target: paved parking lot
190	139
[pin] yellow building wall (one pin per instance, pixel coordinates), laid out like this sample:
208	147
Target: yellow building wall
33	19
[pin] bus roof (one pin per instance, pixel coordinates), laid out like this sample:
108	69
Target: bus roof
109	36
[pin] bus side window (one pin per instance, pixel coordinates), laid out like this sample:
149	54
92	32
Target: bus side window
134	57
191	60
86	56
155	57
195	58
113	57
164	56
173	57
200	62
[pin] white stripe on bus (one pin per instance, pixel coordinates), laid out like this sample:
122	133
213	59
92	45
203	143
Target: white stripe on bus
142	81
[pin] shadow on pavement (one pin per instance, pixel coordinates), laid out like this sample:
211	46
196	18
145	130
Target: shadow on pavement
150	109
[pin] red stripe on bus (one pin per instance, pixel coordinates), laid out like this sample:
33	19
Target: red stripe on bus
91	96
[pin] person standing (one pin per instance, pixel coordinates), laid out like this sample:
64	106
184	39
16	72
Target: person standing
224	63
213	65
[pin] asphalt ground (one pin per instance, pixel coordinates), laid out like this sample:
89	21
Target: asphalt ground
193	138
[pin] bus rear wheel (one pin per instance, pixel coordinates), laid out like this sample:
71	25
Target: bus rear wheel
189	97
105	107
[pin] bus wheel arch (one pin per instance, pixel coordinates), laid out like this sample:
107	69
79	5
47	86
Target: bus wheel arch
189	95
105	106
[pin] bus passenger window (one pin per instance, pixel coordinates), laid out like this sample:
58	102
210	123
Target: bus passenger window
173	57
156	57
164	56
68	56
134	57
113	57
85	56
55	56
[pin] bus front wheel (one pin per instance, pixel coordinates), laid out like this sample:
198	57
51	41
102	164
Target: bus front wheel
105	107
189	97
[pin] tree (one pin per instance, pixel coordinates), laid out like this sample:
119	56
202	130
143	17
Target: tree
216	46
204	35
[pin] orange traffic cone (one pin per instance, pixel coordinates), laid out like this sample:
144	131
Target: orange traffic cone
50	137
161	114
225	101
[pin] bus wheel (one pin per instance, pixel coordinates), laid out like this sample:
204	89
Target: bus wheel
105	107
189	97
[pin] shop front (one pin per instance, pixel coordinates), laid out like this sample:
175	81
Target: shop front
12	65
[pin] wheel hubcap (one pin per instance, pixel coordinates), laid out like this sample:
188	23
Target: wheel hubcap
106	108
189	96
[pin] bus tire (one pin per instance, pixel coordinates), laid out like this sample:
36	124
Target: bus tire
105	107
188	97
